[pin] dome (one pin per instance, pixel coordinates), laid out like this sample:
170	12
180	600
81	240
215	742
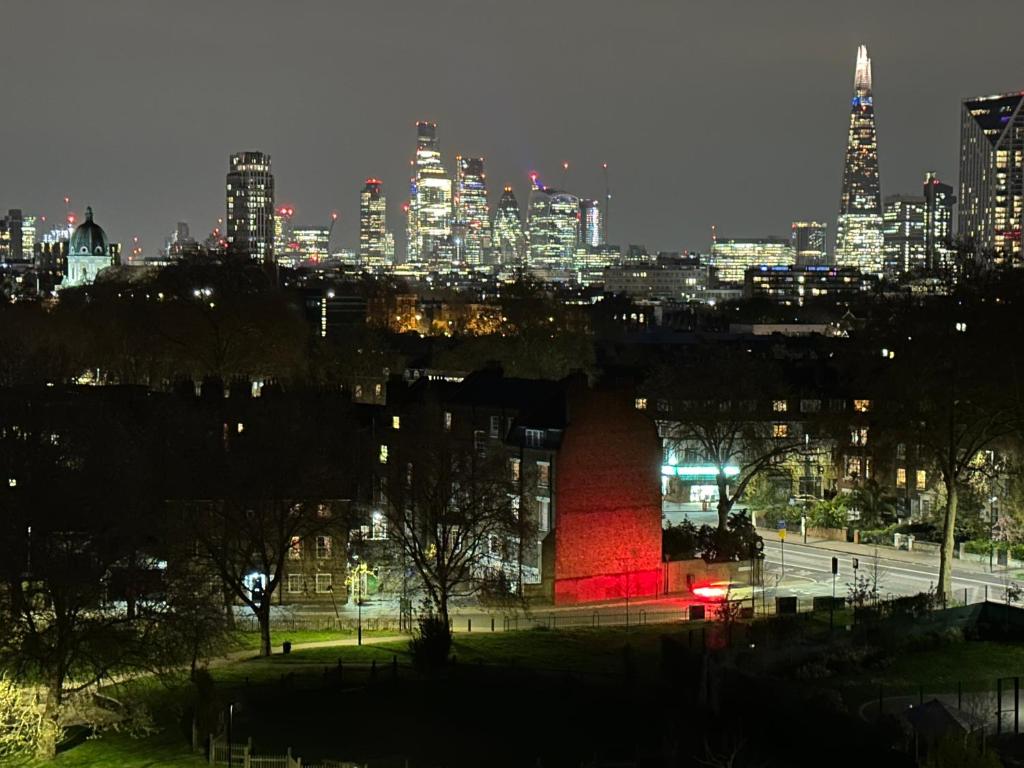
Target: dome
88	238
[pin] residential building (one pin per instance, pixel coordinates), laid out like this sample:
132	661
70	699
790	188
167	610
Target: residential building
250	206
905	229
938	222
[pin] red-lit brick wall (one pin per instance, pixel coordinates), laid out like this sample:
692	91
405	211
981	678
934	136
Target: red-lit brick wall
608	524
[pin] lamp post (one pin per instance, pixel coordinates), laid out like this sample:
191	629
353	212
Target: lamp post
231	723
991	531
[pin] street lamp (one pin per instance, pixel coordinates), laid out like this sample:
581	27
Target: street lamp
991	531
231	723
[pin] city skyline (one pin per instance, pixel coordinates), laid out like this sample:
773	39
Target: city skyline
673	173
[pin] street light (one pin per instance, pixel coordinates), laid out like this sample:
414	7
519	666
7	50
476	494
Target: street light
991	531
231	723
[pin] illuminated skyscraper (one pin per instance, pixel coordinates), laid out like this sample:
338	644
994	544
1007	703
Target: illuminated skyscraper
311	244
591	234
859	238
904	219
283	230
991	213
731	257
376	248
250	206
938	222
553	231
508	239
430	201
810	243
471	214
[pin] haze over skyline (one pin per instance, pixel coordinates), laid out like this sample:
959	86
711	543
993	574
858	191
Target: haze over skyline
731	113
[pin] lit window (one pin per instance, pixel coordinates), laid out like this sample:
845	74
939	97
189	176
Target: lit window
448	420
295	548
513	465
641	403
294	583
396	422
543	474
495	426
901	477
378	390
382	455
323	547
543	513
379	526
853	466
859	436
862	406
534	438
323	583
240	428
922	479
780	430
780	406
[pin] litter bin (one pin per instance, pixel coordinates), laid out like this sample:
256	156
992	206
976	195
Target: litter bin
286	646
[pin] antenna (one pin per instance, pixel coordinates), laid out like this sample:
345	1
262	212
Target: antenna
607	202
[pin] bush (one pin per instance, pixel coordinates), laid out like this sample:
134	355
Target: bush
24	731
1017	551
679	542
432	644
978	546
878	535
739	540
831	513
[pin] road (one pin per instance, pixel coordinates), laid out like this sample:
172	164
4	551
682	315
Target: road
808	572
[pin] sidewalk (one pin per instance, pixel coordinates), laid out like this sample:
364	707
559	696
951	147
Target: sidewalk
884	552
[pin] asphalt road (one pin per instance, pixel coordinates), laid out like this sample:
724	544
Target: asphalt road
808	571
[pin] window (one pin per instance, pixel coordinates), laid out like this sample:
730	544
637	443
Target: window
836	405
641	403
294	583
780	406
862	406
514	502
859	436
396	422
513	468
378	390
663	406
479	441
853	466
240	428
383	454
780	430
495	430
534	438
922	479
378	526
323	511
358	392
901	451
543	513
901	477
448	421
543	474
323	547
323	583
810	406
295	548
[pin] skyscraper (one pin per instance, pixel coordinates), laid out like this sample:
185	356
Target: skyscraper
991	213
938	222
471	214
507	238
810	243
375	251
904	228
250	206
859	238
282	230
553	230
591	234
430	201
731	257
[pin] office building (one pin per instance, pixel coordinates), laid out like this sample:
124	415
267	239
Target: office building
283	217
859	237
376	246
810	243
904	228
12	246
732	257
667	282
794	285
553	231
938	222
471	215
991	212
591	234
311	245
508	240
429	226
250	206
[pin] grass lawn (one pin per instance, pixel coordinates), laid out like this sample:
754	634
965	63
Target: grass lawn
969	662
118	751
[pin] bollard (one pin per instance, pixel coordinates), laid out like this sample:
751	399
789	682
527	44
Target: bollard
492	623
469	625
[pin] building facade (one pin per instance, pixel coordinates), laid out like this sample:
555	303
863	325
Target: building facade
89	252
472	217
905	227
430	202
793	286
991	208
938	222
250	206
508	240
810	243
553	231
859	235
732	257
376	246
591	233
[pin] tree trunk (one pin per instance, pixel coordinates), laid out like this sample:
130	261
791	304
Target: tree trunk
442	609
263	617
724	502
944	589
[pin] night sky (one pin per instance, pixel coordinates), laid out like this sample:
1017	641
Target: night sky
709	112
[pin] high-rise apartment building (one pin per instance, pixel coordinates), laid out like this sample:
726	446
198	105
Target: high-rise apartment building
553	230
430	201
376	246
508	240
991	213
471	214
250	206
859	237
938	222
810	243
591	233
904	228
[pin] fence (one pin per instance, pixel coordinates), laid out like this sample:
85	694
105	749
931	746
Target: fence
241	755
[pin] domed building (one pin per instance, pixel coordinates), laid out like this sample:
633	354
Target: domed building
89	252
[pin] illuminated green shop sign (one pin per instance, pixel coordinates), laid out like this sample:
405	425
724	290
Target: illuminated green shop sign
696	473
